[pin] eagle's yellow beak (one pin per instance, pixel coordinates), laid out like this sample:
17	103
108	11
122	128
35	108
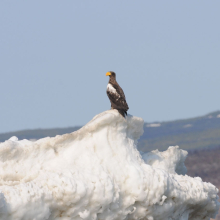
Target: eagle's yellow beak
108	74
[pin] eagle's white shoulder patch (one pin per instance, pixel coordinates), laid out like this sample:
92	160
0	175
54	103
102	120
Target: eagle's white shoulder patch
111	89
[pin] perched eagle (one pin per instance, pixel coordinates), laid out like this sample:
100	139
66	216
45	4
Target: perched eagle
116	95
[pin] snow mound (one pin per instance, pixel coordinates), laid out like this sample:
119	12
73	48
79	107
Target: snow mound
97	173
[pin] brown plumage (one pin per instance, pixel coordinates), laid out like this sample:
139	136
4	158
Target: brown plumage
116	95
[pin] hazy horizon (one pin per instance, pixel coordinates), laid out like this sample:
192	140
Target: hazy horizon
149	122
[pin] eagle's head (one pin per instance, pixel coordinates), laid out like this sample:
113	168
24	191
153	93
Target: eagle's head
111	74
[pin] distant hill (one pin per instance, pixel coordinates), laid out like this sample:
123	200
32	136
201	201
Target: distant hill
194	133
37	133
205	164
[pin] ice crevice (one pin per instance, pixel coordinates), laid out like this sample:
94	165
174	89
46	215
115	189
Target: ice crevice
97	173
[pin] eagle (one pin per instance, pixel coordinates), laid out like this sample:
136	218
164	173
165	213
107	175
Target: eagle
116	95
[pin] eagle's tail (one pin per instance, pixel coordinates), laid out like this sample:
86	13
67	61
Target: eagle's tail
122	112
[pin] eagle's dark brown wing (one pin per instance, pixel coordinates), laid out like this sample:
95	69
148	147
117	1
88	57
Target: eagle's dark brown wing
117	98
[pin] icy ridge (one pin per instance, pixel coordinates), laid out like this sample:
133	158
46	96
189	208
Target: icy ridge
97	173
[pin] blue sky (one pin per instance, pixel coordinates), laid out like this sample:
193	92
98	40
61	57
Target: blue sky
54	56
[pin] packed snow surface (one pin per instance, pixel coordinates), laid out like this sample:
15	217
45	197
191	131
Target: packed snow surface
97	173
